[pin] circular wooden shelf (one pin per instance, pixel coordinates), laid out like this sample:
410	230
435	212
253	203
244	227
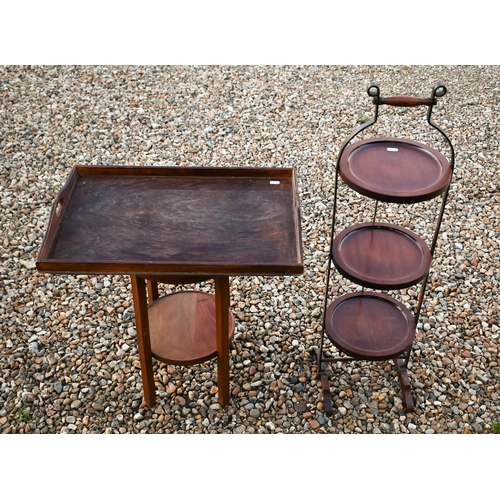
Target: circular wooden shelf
380	255
370	325
395	170
182	328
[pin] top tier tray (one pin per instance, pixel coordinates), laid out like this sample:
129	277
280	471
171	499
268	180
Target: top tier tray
395	170
175	220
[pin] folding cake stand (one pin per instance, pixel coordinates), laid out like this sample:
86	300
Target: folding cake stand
371	325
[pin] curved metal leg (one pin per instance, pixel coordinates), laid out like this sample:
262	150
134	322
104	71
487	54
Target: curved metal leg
404	382
325	384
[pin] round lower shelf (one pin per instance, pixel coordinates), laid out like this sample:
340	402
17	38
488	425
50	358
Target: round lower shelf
182	328
395	170
381	255
370	325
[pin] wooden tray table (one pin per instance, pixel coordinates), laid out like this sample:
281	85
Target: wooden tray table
181	222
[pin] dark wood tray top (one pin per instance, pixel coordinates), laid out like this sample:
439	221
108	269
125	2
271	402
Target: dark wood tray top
370	325
175	220
381	255
395	170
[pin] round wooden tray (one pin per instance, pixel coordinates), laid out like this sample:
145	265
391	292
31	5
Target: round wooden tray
380	255
182	328
370	325
395	170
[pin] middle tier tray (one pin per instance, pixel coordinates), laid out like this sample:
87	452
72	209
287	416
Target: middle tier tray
182	328
381	255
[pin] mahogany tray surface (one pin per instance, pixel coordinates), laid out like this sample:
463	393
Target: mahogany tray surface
182	328
370	325
381	255
395	170
179	220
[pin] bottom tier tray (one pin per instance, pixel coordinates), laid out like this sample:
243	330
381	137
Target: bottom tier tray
370	325
182	328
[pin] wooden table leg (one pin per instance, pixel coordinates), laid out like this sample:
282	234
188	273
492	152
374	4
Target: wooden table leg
222	322
143	340
152	290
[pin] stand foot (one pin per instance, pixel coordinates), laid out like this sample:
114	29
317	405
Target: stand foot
325	385
404	382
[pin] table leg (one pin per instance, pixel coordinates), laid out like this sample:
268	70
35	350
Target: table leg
143	340
222	323
152	290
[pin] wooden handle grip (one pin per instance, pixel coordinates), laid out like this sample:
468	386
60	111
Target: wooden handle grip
58	206
405	100
55	217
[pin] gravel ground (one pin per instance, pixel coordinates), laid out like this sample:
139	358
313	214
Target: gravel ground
68	354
